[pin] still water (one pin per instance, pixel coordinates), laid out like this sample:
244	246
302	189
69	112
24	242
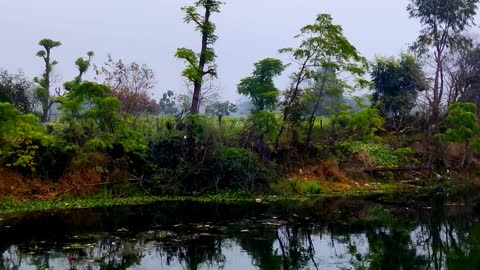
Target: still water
441	231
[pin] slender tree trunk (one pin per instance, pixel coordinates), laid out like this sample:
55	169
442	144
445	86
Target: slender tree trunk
196	100
311	121
290	100
436	101
466	160
201	67
46	99
438	87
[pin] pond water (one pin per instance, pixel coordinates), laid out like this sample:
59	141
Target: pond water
378	232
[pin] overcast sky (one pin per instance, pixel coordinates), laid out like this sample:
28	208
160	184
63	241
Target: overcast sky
150	31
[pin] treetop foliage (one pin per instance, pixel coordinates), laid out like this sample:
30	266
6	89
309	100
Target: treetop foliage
260	86
396	84
323	45
17	89
444	22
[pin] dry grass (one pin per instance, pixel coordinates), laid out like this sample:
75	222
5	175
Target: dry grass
87	176
14	185
327	170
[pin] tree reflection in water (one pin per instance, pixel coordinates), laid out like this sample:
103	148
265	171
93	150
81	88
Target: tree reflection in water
374	237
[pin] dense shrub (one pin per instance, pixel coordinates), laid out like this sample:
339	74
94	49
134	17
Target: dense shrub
237	169
21	137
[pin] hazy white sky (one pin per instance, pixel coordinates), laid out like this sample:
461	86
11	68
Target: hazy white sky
150	31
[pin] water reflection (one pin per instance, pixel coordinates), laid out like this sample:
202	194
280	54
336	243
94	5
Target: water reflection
331	233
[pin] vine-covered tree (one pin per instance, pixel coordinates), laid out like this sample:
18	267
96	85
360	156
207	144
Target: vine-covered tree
260	86
444	23
43	93
201	64
396	84
17	90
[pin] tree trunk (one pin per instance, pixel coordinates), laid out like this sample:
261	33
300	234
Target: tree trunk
311	122
437	87
290	100
46	99
201	66
196	98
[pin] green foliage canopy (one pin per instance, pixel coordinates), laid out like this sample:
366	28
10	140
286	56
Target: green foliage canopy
463	123
260	86
17	90
396	84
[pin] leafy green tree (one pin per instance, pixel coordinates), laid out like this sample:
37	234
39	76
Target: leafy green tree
260	86
238	168
219	108
264	125
464	128
17	90
444	23
396	84
360	124
323	46
201	64
21	136
92	117
167	103
43	92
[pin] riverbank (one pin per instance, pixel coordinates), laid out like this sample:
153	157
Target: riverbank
176	229
10	206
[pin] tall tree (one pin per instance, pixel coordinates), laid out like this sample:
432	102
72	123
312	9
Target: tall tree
45	82
17	90
443	25
396	84
323	46
260	86
201	64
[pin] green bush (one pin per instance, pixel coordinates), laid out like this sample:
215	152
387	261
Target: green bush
287	186
22	138
296	186
239	169
312	188
362	125
382	155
